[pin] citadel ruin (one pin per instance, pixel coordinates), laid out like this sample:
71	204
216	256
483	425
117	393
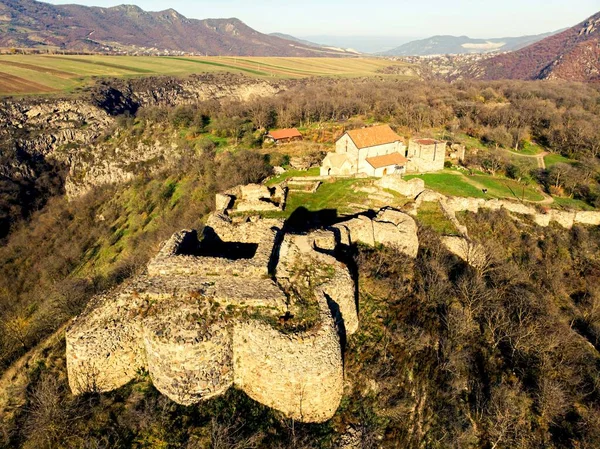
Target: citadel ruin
256	303
247	303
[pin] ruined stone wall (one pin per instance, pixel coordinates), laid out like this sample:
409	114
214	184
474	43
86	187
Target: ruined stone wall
300	375
104	345
390	227
197	333
188	361
410	188
565	219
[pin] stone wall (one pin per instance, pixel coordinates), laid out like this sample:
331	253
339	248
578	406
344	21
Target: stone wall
198	324
565	219
188	362
390	227
300	375
424	158
410	188
104	345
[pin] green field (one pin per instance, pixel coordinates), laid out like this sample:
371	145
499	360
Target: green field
450	184
454	183
35	74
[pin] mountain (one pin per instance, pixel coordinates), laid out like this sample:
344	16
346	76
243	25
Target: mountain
449	45
362	44
295	39
129	29
573	55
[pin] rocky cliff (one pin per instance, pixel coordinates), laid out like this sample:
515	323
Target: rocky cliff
59	137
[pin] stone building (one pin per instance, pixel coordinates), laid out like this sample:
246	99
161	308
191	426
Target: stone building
373	151
425	155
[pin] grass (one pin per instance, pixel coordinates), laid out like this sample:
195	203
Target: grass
553	159
292	174
506	188
430	214
570	203
34	74
331	195
449	183
454	183
530	149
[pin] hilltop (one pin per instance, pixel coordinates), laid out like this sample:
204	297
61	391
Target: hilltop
131	30
455	45
571	55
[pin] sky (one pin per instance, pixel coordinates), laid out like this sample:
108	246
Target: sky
400	18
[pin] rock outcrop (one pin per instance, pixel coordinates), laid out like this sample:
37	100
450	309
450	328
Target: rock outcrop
390	227
395	183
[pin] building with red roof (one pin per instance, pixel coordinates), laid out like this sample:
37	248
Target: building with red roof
284	135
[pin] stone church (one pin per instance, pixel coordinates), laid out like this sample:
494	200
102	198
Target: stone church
374	151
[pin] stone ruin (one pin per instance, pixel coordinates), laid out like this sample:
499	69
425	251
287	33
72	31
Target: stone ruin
244	304
253	197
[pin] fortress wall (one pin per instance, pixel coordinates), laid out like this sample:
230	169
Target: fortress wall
588	218
211	266
341	290
104	346
301	375
188	363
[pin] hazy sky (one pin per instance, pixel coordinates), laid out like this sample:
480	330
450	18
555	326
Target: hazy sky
415	18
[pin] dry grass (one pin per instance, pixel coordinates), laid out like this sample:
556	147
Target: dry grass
33	74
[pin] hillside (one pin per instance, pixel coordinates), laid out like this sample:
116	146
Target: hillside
453	45
571	55
129	29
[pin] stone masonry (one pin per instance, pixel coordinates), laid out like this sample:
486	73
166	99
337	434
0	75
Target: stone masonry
242	303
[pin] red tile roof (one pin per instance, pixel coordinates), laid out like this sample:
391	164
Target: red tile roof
386	160
373	136
427	141
285	134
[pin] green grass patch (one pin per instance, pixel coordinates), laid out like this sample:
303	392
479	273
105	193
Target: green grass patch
292	174
570	203
530	149
448	183
506	188
553	159
430	214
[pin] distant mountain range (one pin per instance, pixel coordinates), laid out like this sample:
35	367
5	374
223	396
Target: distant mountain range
313	44
129	29
454	45
572	55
